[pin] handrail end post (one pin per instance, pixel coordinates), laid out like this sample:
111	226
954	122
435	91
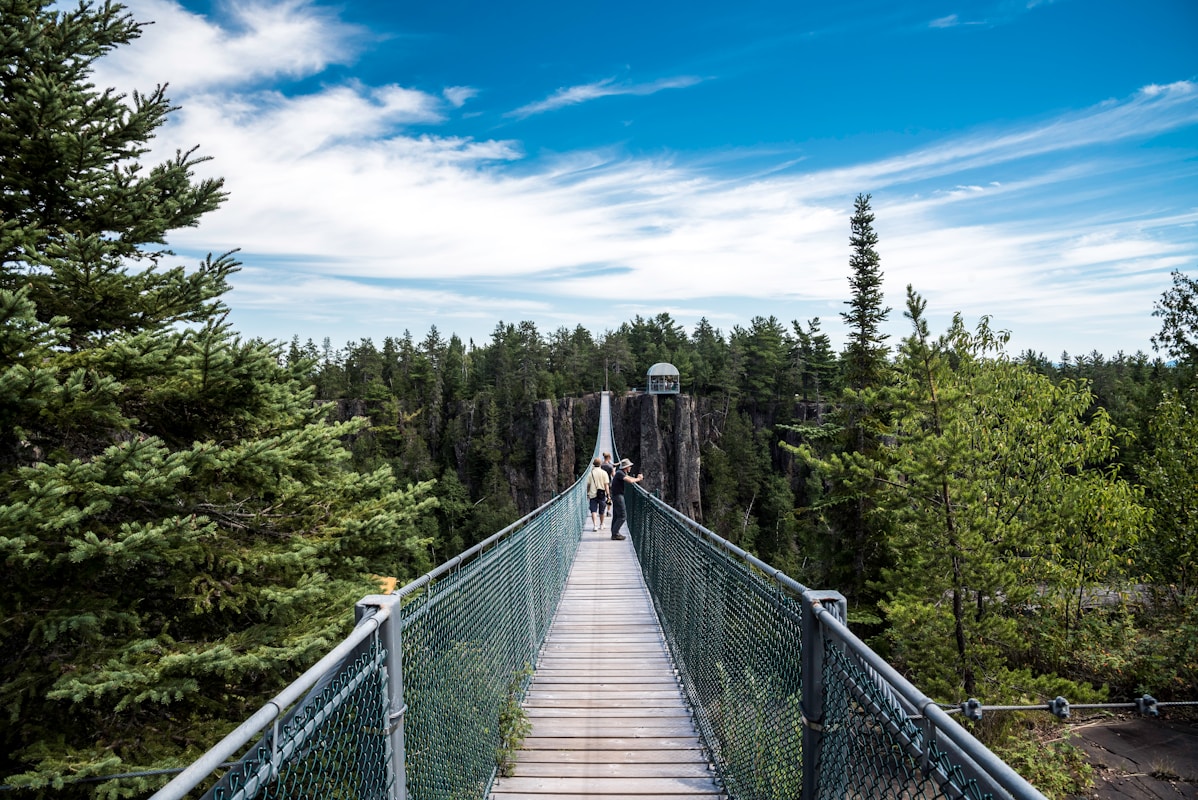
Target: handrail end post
390	633
812	699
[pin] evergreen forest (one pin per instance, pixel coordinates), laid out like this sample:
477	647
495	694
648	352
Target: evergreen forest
187	515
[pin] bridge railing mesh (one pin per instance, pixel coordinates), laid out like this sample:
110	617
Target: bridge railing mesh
467	632
469	641
788	702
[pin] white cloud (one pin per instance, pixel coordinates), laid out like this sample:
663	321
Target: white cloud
573	95
354	188
261	40
458	95
950	21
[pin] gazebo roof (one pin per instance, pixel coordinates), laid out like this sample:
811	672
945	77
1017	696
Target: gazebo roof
662	368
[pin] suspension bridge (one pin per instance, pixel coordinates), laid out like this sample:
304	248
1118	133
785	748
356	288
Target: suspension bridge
553	662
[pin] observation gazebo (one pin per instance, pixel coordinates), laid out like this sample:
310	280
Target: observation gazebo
664	379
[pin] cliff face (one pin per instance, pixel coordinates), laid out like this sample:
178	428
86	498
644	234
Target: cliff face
555	462
660	433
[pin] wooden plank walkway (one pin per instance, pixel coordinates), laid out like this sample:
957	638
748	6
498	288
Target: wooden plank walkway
608	717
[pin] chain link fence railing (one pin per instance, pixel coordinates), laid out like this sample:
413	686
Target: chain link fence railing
789	703
467	631
469	639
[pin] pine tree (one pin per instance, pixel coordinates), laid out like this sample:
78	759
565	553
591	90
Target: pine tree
1169	473
816	363
865	354
711	360
180	531
846	497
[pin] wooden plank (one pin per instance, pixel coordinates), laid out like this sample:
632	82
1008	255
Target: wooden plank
613	671
546	727
609	718
625	787
525	795
612	743
620	647
606	701
606	680
537	712
609	769
642	695
645	661
693	755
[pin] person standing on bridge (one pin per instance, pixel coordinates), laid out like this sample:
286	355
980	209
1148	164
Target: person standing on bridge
597	487
618	511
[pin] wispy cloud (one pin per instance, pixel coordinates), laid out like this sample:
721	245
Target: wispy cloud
260	39
458	95
989	15
1149	112
357	215
609	87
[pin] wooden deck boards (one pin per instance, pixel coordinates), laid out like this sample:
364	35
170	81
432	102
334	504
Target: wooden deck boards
608	717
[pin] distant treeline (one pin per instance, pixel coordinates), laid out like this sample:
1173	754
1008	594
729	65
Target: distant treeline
422	397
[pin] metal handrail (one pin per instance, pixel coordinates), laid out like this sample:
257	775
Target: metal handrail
975	760
254	727
274	708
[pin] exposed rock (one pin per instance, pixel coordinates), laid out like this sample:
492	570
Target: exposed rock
545	452
522	487
686	458
1140	758
348	408
653	462
660	433
563	426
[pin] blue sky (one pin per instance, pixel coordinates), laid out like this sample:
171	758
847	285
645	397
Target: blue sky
395	165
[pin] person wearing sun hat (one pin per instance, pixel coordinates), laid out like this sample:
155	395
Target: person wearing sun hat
619	513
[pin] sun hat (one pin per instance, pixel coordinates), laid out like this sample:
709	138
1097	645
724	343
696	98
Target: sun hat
625	463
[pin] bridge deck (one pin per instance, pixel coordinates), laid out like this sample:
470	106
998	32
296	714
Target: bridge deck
608	717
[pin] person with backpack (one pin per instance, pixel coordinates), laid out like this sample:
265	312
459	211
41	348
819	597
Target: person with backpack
597	487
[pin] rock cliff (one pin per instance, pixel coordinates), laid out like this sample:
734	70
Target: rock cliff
660	433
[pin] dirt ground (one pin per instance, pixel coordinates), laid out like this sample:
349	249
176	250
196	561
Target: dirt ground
1139	757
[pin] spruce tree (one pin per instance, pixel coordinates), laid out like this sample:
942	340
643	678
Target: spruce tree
180	532
865	354
816	363
847	501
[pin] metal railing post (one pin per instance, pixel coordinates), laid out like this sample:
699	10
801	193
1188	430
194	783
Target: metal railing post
392	642
812	702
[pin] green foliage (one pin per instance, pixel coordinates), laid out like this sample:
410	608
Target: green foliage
1169	473
816	363
1056	767
762	732
1000	505
181	529
1178	312
761	359
842	513
865	355
1138	650
737	467
514	724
